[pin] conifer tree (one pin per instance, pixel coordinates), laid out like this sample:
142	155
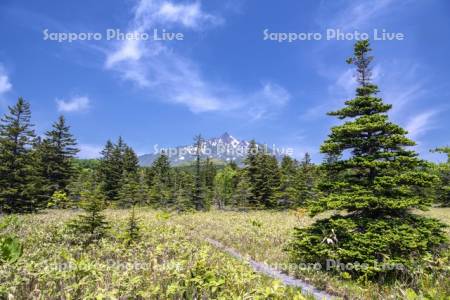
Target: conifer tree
251	171
377	184
58	151
110	172
132	227
130	161
443	171
267	179
287	194
92	224
243	194
162	170
198	193
183	186
161	182
208	174
117	160
132	191
306	181
16	166
381	176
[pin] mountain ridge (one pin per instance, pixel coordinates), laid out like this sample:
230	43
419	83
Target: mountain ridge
224	148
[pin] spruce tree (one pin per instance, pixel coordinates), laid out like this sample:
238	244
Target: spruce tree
161	182
267	180
378	182
208	174
132	191
117	160
183	186
306	181
198	192
58	152
251	171
243	192
287	194
92	225
130	160
442	188
16	165
132	230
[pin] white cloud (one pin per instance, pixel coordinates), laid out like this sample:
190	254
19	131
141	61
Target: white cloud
5	84
266	101
176	78
75	104
89	151
354	15
420	124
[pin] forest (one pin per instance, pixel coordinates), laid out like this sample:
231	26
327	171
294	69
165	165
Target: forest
368	222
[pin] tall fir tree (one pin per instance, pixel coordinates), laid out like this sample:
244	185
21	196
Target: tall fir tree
208	174
183	186
243	192
287	193
378	182
130	161
267	180
16	166
160	183
306	181
251	171
198	196
58	152
117	160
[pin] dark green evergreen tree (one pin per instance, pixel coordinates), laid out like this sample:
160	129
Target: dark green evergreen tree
17	176
58	150
132	191
378	182
183	186
287	193
442	188
243	192
133	228
130	160
198	196
117	160
306	181
92	225
208	174
251	171
160	181
267	180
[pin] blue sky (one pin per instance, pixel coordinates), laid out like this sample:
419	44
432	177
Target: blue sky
223	75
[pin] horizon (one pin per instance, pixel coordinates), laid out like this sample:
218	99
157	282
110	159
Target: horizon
233	71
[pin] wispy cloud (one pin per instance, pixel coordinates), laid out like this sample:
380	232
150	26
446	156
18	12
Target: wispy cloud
266	101
75	104
5	84
421	123
354	15
89	151
176	78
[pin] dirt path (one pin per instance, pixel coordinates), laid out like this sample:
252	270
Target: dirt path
306	288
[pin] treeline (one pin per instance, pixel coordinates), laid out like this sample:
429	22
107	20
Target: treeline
38	172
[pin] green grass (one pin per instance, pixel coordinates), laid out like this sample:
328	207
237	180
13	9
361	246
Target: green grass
167	263
172	261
